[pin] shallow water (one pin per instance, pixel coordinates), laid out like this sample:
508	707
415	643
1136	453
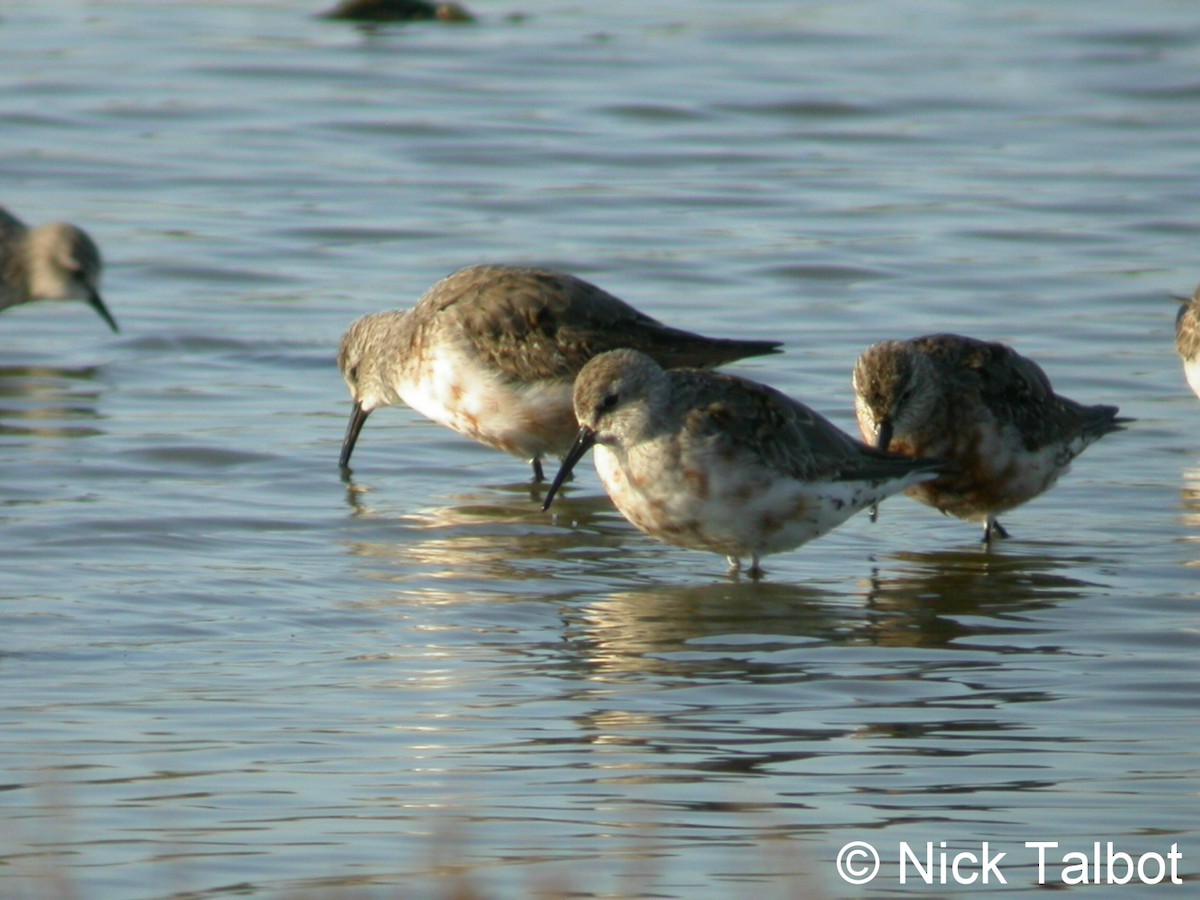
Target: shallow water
228	671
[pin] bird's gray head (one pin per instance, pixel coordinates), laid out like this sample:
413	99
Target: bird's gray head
1187	305
365	357
64	264
619	394
619	397
893	390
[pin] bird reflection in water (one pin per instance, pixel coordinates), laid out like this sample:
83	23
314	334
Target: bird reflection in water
1189	503
50	401
680	629
929	600
937	598
486	537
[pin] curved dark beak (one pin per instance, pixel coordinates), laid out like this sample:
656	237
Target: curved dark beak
885	435
94	301
358	415
583	443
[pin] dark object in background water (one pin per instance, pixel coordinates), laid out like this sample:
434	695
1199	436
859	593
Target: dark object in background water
397	11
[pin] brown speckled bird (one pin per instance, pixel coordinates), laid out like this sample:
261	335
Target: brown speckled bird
720	463
492	352
981	406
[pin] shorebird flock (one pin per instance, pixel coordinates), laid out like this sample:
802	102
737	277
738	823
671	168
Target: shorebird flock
539	363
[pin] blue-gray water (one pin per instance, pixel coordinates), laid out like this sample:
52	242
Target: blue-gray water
226	672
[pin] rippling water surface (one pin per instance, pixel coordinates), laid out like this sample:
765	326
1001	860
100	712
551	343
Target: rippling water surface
228	671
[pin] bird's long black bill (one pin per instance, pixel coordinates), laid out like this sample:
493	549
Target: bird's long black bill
881	443
583	443
97	304
358	415
884	438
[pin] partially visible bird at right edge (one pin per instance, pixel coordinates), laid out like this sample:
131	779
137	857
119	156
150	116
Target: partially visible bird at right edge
1187	338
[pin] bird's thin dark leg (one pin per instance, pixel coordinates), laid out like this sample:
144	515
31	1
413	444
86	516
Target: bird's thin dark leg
538	475
993	529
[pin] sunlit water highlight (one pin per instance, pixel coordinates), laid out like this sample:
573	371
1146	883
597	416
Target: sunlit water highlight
231	672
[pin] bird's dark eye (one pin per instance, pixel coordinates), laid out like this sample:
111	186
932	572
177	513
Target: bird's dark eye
354	373
609	401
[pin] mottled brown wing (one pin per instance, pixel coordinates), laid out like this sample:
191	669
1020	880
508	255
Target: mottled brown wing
1013	388
9	223
534	324
1187	327
746	418
10	228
